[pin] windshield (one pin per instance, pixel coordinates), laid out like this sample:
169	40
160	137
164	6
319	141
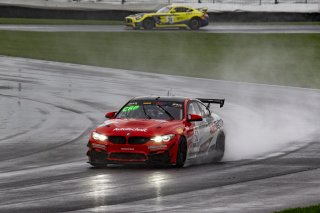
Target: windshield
164	10
163	110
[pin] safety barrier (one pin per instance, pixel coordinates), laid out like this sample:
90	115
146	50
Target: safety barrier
242	2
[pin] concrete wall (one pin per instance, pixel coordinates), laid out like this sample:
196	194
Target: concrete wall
29	12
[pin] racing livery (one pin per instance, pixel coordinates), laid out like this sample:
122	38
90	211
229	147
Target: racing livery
170	16
159	130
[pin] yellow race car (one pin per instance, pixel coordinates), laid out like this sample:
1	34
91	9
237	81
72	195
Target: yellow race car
170	16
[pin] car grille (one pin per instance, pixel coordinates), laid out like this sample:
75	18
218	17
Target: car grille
117	139
138	140
128	156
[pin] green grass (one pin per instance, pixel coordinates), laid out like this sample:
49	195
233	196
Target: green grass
284	59
311	209
58	21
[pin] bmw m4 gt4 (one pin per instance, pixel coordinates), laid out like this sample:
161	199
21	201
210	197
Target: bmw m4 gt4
159	130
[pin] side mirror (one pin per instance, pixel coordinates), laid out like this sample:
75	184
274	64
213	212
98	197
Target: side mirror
194	117
173	11
110	114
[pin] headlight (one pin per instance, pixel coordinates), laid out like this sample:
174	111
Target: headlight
99	137
163	138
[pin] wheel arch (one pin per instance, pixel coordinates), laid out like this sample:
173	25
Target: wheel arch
152	19
195	17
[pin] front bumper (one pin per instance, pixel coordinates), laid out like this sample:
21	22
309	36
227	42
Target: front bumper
148	153
132	22
205	22
99	157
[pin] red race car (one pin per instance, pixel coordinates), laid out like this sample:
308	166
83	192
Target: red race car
159	130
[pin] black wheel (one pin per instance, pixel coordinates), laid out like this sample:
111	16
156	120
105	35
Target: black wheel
218	149
194	24
182	153
148	24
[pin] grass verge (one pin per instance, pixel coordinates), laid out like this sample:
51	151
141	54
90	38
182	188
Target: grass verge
311	209
284	59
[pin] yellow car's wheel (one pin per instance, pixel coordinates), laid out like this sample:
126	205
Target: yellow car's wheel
194	24
148	24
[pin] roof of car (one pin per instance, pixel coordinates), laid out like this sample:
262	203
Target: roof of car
179	5
160	98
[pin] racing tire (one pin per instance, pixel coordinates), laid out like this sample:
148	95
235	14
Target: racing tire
219	148
181	153
194	24
148	24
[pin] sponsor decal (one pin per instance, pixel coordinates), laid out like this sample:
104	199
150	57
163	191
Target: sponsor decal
196	136
170	19
219	124
213	129
130	108
194	148
177	105
204	147
163	146
127	149
131	129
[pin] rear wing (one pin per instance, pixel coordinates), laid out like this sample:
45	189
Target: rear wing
212	101
203	9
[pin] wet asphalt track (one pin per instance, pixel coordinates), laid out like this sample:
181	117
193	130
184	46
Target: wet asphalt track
46	109
217	28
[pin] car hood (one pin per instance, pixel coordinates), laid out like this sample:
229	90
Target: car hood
140	127
138	14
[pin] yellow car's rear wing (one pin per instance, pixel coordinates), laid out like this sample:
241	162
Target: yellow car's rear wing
203	9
